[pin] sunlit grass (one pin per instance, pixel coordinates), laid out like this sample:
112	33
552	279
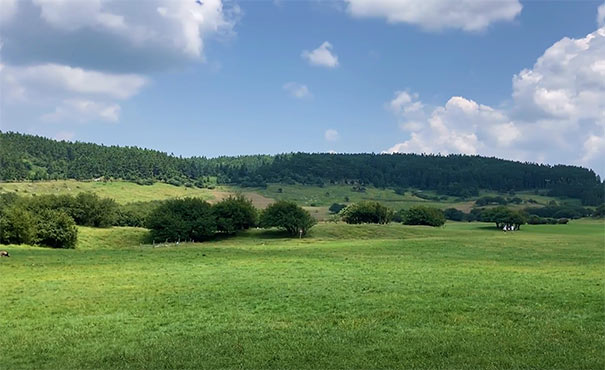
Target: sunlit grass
348	296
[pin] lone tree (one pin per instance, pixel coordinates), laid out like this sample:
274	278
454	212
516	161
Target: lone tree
366	212
287	216
234	214
421	215
504	217
182	220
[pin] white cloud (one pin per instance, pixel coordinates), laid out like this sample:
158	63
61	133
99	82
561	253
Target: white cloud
81	110
8	9
469	15
297	90
601	15
557	113
331	135
53	78
74	94
322	56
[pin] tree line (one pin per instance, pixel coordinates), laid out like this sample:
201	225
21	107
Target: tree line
27	157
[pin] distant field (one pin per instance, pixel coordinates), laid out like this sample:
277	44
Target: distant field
315	199
122	191
349	296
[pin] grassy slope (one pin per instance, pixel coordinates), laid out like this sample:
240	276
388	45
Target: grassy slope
463	296
122	192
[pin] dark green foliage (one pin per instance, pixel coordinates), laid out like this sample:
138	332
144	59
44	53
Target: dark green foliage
235	213
503	216
17	226
56	229
135	214
366	212
599	212
44	226
287	216
454	214
559	211
24	157
91	210
484	201
182	220
537	220
336	207
422	215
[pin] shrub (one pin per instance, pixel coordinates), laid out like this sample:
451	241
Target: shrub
287	216
182	219
135	214
366	212
336	207
56	229
17	226
422	215
235	213
89	209
454	214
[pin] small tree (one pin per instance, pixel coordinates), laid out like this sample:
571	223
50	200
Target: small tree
336	207
287	216
182	219
56	229
454	214
17	226
421	215
366	212
234	214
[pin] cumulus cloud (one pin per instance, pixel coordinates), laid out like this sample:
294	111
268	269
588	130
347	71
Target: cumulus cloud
77	59
322	56
557	112
331	135
297	90
81	110
76	94
8	8
134	35
468	15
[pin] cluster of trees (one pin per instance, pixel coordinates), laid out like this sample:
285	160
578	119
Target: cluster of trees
367	212
193	219
28	222
552	214
35	158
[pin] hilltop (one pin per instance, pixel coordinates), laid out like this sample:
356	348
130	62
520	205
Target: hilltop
27	157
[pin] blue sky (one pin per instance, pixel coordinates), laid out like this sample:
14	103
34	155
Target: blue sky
515	79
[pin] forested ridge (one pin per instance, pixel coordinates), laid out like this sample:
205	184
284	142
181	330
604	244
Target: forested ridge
27	157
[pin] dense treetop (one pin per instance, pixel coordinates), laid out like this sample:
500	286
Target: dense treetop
26	157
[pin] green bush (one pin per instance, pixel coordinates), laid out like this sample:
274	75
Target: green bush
56	229
422	215
17	226
182	220
336	207
135	214
90	210
234	214
366	212
454	214
287	216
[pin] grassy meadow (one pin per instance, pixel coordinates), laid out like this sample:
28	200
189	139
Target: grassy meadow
348	296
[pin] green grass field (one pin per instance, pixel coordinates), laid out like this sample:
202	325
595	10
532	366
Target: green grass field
121	191
462	296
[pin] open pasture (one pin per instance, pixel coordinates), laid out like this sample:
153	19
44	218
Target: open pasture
349	296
